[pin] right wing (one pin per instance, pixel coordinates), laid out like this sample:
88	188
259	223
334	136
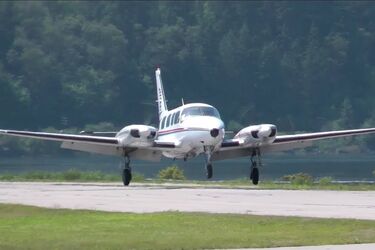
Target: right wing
100	140
96	144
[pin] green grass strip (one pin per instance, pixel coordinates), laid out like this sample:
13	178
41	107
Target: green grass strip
25	227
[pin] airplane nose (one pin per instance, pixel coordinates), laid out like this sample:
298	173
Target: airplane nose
214	132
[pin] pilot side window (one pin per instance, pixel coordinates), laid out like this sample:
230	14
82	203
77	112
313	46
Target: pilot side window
177	117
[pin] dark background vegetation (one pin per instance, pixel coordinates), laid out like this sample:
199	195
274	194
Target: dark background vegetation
305	66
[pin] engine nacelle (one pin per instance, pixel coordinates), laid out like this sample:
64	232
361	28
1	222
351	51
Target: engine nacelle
137	135
257	134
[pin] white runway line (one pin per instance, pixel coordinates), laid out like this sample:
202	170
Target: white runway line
157	198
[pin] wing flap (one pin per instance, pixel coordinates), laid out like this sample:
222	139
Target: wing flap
93	148
134	153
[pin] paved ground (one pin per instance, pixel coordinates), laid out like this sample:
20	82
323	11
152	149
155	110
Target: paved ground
145	198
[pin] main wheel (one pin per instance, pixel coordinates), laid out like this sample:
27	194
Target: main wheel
254	165
209	171
255	176
126	176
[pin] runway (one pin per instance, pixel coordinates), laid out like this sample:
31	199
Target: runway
140	198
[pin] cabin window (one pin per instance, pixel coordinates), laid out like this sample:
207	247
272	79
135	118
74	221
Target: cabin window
163	123
177	117
168	120
172	119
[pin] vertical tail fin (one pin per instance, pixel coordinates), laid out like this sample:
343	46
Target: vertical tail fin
162	103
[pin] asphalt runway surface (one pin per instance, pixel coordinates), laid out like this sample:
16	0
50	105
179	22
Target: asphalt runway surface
141	198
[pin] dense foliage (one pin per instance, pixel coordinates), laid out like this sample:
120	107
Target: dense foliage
300	65
171	173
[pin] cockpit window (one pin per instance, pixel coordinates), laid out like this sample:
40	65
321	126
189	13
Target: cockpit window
200	111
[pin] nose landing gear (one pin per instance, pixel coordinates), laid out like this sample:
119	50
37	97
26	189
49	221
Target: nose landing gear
209	170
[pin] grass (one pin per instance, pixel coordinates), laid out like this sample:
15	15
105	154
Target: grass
73	175
25	227
69	175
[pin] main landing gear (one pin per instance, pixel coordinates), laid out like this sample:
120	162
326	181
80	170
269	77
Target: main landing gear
126	172
209	170
255	162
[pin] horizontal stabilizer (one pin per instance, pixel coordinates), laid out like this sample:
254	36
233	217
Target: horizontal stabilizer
230	143
164	144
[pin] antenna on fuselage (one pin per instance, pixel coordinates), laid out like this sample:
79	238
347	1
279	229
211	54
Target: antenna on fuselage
182	101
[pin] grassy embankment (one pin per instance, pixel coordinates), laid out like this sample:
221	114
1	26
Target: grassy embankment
95	176
24	227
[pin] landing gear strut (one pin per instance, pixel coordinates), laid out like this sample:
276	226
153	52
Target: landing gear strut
255	162
126	172
209	169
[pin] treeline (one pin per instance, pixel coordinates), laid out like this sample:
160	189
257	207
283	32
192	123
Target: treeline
300	65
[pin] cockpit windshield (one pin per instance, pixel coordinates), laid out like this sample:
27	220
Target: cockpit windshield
200	111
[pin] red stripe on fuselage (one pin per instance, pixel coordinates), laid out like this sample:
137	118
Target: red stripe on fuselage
177	130
164	132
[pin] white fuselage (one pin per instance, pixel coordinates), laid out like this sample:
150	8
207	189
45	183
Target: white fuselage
194	128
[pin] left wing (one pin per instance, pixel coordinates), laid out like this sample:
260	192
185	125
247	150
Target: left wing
100	140
233	148
322	135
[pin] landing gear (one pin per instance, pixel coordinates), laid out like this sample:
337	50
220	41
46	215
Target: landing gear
254	175
255	162
126	172
209	171
209	168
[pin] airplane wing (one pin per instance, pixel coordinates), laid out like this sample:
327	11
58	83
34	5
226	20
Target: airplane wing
63	137
232	148
96	144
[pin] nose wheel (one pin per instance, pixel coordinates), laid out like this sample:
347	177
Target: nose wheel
255	162
126	172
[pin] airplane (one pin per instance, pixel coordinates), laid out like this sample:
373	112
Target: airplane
186	132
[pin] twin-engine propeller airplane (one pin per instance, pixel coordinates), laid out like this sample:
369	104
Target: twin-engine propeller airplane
186	132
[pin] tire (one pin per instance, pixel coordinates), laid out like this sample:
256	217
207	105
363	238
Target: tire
255	176
209	171
126	176
254	165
